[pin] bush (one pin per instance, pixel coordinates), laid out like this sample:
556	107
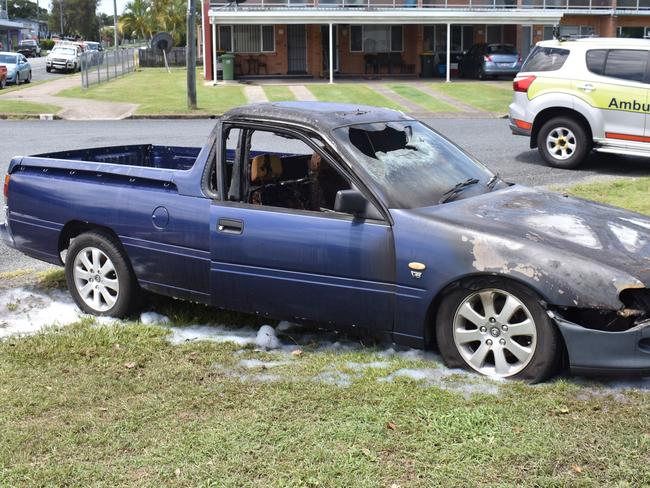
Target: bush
47	44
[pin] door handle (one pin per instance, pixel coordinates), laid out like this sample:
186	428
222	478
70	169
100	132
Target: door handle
587	87
230	226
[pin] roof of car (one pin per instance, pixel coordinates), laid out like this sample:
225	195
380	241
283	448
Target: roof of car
601	41
318	115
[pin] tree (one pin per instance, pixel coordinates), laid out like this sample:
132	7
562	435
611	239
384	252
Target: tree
25	9
105	19
137	20
79	18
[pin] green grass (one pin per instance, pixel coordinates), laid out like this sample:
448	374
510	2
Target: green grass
11	88
159	92
351	93
426	101
119	406
628	193
278	93
482	95
20	107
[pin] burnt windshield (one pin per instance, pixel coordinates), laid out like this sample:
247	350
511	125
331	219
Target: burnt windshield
412	165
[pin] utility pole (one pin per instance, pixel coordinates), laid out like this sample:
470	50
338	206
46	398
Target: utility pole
190	55
61	16
115	23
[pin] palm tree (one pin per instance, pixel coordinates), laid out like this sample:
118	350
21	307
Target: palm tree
138	19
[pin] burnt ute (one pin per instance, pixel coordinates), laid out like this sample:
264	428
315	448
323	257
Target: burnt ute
353	217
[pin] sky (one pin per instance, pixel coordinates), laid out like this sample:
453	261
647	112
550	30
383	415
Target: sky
106	6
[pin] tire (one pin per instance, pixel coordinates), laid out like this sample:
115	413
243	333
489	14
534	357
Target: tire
486	344
3	83
480	74
48	69
29	78
571	144
111	289
17	80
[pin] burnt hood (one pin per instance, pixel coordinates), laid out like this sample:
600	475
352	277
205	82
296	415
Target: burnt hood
608	235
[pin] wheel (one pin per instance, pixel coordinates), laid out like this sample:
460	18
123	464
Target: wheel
17	81
563	143
3	83
497	328
480	74
99	276
48	69
29	78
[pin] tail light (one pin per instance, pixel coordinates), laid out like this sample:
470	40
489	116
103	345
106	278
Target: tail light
522	84
487	58
5	191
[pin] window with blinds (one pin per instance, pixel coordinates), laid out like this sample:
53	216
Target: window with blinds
376	38
247	38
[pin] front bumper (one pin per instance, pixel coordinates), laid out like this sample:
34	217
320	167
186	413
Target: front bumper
598	352
495	69
11	77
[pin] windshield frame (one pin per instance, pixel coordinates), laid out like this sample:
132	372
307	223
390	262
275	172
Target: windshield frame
349	151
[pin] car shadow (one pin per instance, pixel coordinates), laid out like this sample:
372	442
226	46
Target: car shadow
596	163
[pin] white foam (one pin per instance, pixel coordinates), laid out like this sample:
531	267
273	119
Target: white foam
149	318
266	338
258	363
24	312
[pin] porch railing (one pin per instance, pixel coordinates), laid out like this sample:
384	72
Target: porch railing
425	4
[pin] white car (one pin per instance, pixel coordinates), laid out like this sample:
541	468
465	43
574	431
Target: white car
575	96
63	58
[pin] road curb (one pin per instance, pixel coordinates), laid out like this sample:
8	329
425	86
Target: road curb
12	116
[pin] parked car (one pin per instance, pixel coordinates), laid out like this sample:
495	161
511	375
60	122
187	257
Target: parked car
18	68
483	60
3	76
29	48
353	217
575	96
63	58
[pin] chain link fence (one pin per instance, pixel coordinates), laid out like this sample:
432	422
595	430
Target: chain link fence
102	66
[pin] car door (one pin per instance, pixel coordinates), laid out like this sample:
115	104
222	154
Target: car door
289	262
23	67
617	86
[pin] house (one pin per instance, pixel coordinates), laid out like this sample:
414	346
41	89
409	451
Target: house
328	38
10	32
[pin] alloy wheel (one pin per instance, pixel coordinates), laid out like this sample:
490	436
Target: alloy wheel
96	280
561	143
495	333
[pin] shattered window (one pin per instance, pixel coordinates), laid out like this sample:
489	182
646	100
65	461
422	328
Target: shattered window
411	164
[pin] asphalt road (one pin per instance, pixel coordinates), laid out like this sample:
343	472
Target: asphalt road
489	140
38	70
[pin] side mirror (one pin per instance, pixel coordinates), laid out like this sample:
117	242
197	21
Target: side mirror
353	202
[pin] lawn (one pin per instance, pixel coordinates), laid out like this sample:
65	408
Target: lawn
278	93
351	93
483	95
159	92
119	405
20	107
631	194
429	103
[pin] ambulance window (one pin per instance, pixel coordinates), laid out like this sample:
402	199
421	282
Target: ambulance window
596	60
626	64
545	59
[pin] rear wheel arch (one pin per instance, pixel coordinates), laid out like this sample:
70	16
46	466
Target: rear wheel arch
550	113
75	228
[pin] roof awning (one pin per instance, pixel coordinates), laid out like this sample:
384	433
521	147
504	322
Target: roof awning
392	16
8	24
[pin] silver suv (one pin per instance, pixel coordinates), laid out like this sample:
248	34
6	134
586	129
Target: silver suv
575	96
